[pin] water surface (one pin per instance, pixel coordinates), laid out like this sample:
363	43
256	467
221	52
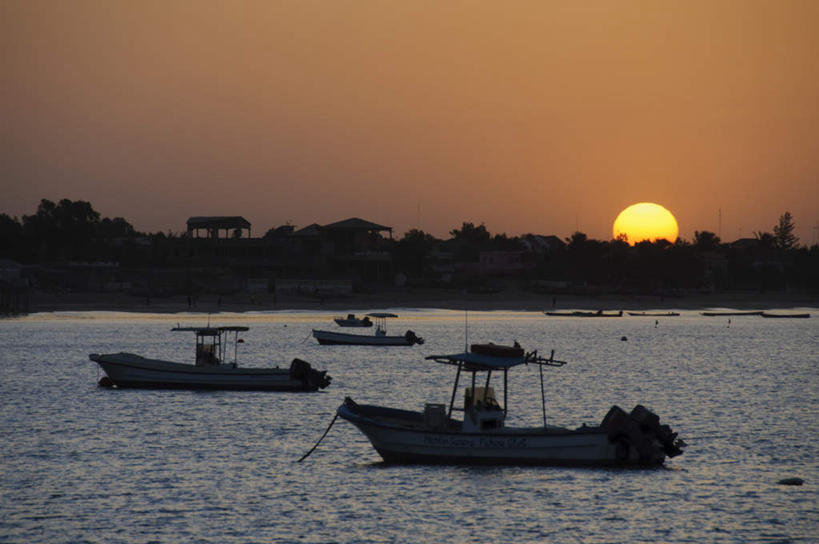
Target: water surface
89	464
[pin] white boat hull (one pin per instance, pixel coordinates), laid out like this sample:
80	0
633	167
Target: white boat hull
353	323
342	338
127	370
412	443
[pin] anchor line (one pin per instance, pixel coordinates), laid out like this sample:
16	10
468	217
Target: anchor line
306	455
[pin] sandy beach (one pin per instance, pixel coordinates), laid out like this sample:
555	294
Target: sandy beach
508	299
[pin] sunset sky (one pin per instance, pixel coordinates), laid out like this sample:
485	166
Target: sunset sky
543	117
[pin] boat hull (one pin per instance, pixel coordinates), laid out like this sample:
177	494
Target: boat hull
583	314
654	314
413	444
347	339
353	323
126	370
730	314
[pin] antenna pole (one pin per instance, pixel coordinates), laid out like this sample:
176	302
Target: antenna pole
542	395
235	348
466	330
719	228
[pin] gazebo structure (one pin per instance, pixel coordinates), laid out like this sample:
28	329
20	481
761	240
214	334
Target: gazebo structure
212	225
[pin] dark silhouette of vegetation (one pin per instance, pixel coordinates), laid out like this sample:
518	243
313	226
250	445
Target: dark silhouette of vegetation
72	231
65	231
783	232
411	254
706	241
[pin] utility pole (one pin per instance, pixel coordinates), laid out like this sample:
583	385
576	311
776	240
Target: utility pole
719	225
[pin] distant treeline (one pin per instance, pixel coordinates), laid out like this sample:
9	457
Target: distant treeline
66	231
72	231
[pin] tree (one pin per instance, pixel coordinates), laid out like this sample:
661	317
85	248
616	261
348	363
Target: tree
11	237
64	230
469	241
115	228
783	232
705	240
411	252
576	241
471	234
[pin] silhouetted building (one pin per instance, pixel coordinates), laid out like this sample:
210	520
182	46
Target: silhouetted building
213	225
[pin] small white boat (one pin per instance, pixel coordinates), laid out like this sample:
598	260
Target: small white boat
785	316
435	437
210	371
352	321
380	338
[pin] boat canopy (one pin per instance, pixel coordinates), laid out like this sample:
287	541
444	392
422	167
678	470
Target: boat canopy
477	362
381	315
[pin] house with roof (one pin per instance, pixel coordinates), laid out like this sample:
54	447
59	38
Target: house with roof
352	248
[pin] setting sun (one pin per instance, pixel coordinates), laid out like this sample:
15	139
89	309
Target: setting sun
645	221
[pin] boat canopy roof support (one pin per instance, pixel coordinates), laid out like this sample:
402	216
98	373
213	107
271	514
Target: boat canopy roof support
478	362
381	315
487	362
209	340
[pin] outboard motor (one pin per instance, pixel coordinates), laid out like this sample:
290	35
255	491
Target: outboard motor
639	429
413	339
650	424
318	378
301	370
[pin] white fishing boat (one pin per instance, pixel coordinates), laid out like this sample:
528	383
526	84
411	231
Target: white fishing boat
380	338
352	321
434	436
210	370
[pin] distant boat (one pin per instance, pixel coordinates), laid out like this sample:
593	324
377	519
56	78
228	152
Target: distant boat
210	370
482	437
380	338
655	314
352	321
799	316
598	313
714	314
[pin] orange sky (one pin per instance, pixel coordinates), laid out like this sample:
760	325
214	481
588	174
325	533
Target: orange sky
534	116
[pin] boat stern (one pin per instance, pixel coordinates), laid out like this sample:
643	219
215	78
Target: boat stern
311	378
639	437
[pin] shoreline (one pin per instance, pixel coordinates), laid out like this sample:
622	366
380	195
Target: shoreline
509	300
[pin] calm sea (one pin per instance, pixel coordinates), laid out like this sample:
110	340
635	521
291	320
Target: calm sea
82	463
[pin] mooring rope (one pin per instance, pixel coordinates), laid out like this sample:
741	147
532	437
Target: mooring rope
306	455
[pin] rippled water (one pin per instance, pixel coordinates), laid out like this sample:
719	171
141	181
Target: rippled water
87	464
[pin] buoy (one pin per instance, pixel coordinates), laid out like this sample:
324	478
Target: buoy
791	481
623	339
